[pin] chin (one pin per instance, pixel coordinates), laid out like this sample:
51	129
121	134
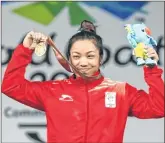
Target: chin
88	74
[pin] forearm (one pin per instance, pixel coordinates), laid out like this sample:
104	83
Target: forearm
16	86
156	87
151	104
15	71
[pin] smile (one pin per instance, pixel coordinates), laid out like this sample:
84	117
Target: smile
83	70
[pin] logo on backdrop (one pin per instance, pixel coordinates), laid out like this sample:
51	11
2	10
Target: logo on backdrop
33	135
13	113
50	10
120	9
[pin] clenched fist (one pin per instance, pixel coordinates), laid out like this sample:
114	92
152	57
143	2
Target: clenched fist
151	53
32	39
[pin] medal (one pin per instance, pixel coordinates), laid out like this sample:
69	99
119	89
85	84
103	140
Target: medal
40	49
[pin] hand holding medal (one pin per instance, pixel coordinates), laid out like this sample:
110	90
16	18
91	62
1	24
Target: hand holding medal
36	41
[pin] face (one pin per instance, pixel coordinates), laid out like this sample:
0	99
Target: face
84	55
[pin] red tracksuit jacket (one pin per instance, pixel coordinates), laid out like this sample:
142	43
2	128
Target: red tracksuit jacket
93	112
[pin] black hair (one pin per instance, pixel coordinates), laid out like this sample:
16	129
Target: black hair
87	31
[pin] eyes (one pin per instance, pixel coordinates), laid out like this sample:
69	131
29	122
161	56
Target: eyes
90	56
76	57
142	30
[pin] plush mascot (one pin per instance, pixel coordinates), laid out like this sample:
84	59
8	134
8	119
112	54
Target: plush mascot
139	36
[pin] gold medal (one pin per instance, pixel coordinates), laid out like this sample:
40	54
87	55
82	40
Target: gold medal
40	49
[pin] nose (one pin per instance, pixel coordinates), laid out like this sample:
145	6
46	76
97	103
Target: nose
83	62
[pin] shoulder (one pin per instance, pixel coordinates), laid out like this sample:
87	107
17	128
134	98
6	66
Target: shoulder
117	86
113	82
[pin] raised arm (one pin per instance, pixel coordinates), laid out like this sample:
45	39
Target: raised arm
151	104
14	83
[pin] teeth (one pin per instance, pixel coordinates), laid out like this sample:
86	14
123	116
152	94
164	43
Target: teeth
40	49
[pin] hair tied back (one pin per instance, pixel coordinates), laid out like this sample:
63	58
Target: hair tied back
87	26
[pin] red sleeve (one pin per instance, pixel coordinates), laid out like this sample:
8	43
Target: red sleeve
16	86
148	105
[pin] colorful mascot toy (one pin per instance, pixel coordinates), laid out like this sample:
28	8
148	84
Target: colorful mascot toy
139	36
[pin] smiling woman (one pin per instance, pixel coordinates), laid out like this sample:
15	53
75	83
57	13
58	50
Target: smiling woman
85	49
85	59
78	109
